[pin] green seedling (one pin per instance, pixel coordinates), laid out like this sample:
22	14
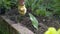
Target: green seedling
34	21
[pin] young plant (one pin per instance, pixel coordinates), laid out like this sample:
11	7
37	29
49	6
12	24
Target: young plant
34	21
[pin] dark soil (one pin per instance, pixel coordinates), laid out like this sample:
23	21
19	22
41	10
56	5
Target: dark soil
44	22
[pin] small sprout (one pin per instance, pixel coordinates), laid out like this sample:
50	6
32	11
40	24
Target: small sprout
34	21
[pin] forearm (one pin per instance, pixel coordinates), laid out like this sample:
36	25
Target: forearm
21	2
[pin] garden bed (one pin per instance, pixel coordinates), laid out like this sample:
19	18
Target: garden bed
44	22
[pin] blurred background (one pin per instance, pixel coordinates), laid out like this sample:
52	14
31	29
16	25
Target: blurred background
39	8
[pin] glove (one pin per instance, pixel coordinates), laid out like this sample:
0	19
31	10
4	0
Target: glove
22	9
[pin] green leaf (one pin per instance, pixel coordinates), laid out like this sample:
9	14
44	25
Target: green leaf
34	21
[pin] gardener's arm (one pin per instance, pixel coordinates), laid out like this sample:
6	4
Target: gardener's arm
21	2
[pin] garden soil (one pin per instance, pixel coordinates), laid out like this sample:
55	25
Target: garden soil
44	22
